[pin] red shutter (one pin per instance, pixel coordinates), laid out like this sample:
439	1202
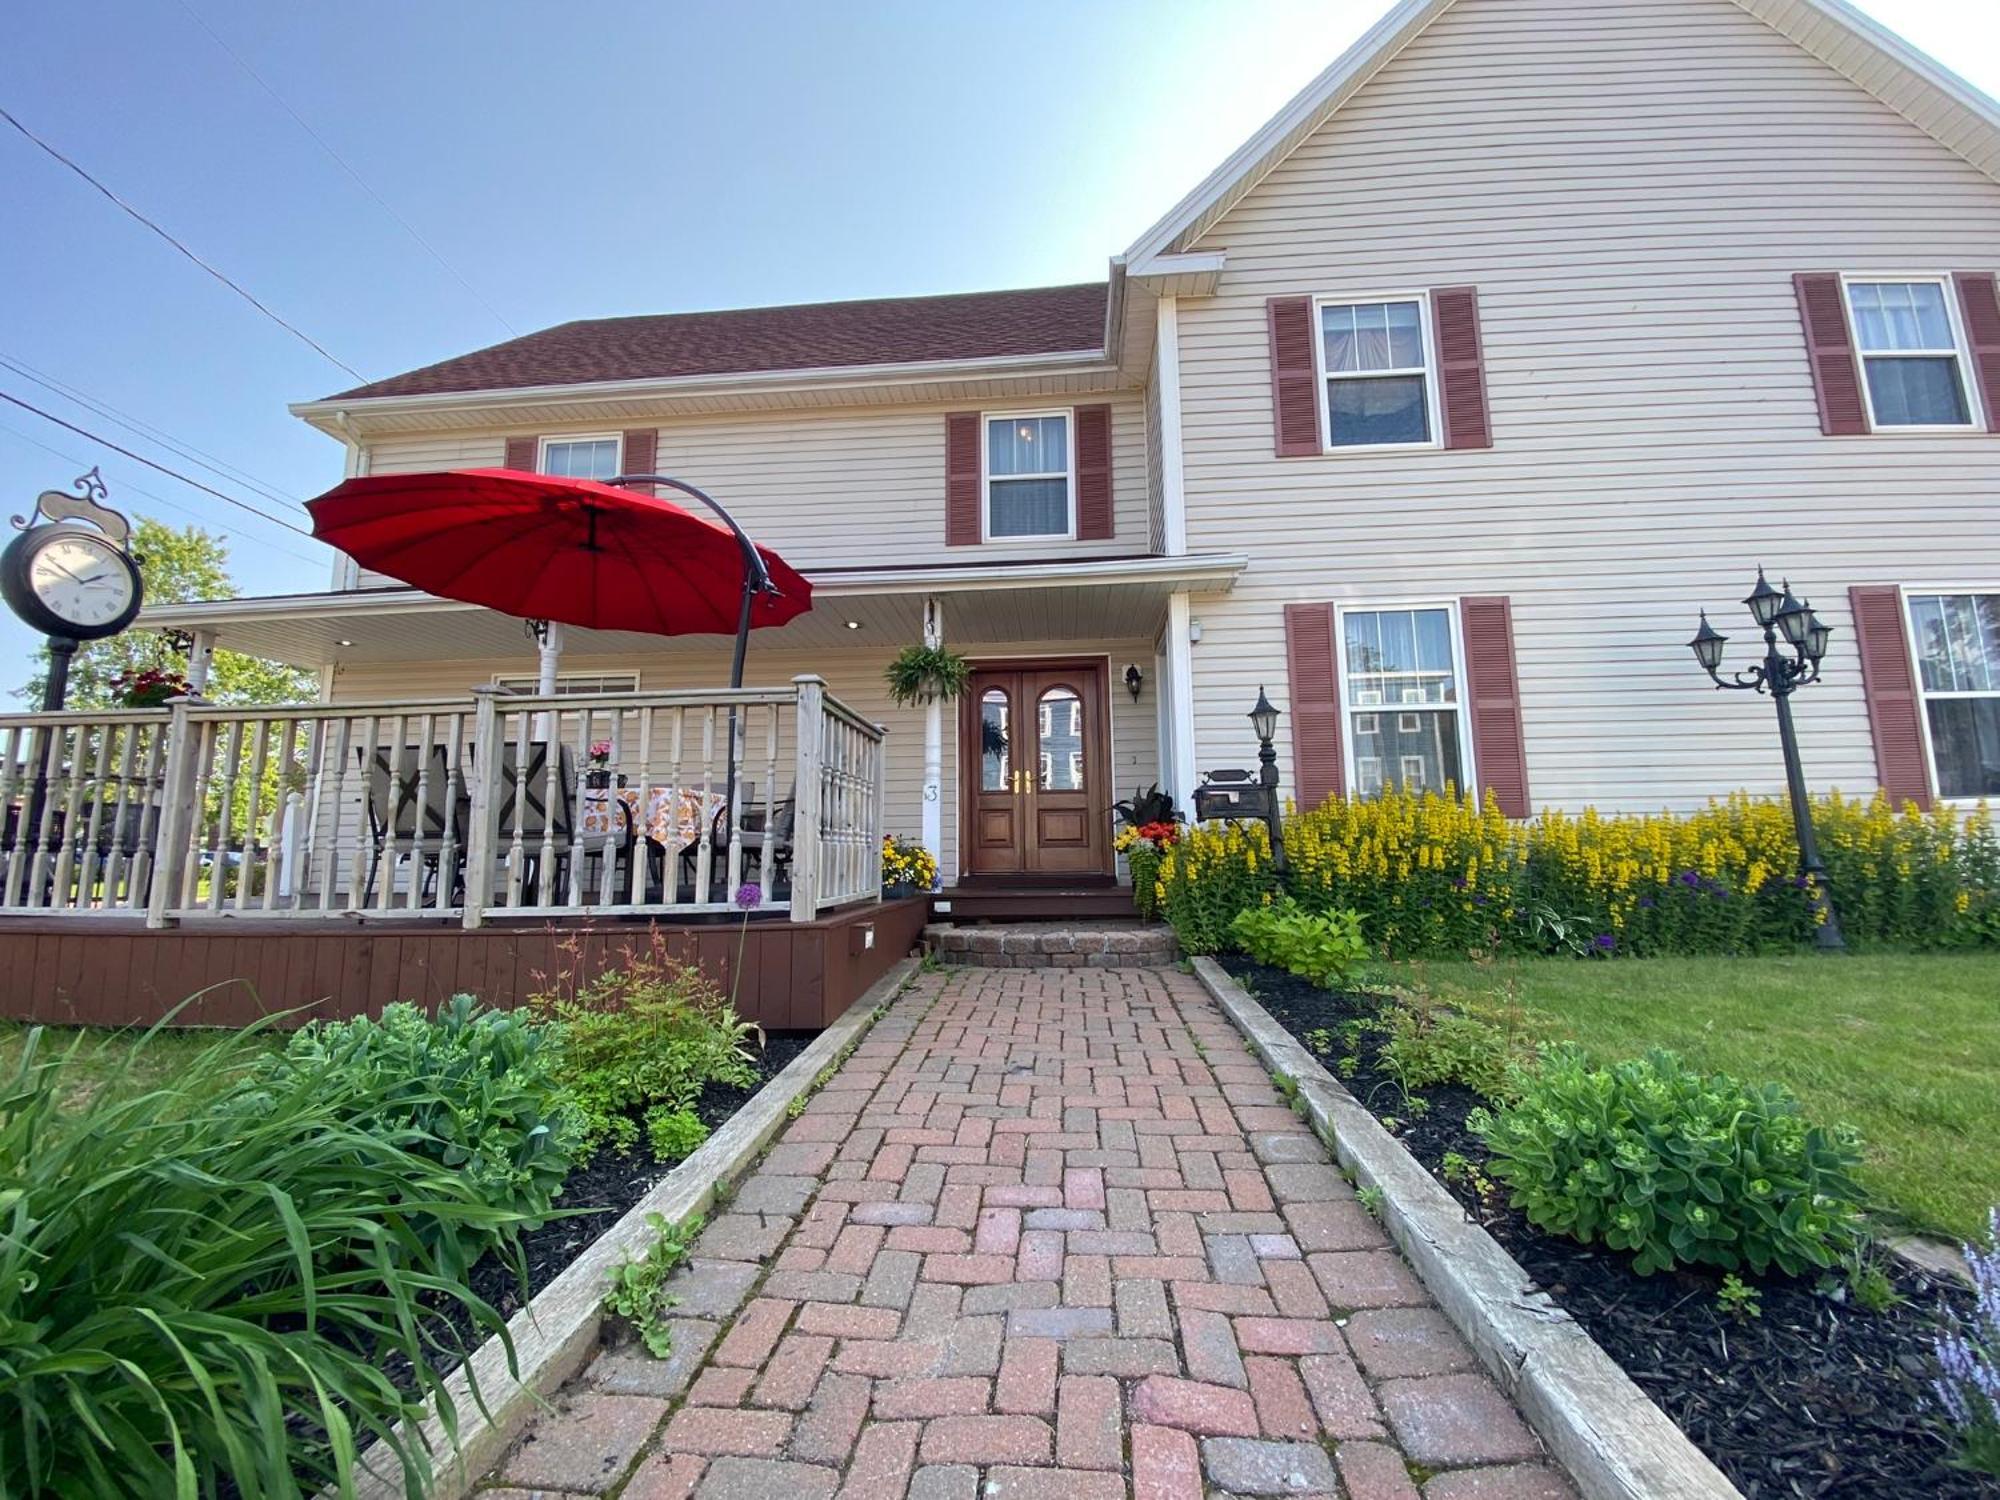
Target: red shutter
1493	686
523	453
1980	304
1890	687
641	453
1294	380
1461	367
1830	352
961	479
1311	662
1093	474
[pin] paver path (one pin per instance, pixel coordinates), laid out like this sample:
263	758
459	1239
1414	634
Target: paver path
1049	1233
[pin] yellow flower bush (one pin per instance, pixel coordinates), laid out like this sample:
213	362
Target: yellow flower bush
907	863
1434	875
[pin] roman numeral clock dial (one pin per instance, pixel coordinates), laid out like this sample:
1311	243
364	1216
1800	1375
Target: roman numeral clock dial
66	581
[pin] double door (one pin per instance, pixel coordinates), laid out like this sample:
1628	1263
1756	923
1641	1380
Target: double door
1035	747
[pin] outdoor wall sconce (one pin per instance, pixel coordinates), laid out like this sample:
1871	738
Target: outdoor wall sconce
1134	680
1777	613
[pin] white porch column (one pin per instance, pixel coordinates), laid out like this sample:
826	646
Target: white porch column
1178	696
933	826
549	637
201	660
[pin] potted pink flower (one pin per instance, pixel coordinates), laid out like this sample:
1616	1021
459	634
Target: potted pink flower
597	775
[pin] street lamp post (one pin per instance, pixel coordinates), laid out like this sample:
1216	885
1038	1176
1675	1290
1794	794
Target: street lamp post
1264	720
1778	613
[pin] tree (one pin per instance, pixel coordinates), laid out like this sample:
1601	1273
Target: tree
179	565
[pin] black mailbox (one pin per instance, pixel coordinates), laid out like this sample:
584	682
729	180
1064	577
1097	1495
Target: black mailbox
1233	794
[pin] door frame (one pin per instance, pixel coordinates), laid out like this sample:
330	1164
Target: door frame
1100	763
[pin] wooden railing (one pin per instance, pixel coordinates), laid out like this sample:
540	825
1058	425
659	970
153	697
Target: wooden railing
759	799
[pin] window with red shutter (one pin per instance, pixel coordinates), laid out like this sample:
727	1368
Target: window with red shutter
1461	362
1830	353
1295	394
1890	688
640	455
962	499
1493	686
1094	519
1979	310
523	453
1314	677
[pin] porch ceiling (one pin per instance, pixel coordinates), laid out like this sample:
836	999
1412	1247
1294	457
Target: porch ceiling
984	605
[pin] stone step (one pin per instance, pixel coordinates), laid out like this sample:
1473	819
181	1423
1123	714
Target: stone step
1052	945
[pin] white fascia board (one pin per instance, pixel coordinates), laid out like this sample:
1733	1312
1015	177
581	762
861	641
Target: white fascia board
1212	571
763	382
1183	275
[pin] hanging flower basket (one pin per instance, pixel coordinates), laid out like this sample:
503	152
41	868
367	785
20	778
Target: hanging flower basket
927	674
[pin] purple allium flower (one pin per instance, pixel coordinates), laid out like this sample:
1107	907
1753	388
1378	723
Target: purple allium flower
749	896
1646	903
1690	878
1604	942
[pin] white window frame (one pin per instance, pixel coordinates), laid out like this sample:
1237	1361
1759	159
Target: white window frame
1975	414
616	439
1468	769
526	683
1432	423
986	420
1923	694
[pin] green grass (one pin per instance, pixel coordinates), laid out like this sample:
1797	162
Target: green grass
102	1055
1904	1047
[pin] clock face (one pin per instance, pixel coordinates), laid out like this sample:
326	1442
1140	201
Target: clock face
84	582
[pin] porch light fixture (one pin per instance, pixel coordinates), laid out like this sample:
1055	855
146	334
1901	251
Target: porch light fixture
1135	680
1778	613
1264	720
343	643
852	624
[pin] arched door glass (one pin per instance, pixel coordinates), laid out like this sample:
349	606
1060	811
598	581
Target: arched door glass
1059	719
996	757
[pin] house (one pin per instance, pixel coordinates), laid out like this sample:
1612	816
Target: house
1436	411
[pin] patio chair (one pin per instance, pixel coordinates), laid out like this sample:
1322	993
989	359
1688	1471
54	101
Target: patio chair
524	804
399	828
757	829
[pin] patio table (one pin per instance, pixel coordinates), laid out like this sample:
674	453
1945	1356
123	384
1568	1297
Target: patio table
675	816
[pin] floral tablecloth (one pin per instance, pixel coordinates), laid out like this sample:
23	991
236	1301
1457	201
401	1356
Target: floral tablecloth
674	816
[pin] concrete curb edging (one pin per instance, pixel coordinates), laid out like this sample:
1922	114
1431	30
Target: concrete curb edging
1614	1442
556	1332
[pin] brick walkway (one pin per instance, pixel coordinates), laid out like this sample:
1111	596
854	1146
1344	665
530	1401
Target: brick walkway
1049	1233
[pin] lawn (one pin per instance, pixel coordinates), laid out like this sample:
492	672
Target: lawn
102	1055
1904	1047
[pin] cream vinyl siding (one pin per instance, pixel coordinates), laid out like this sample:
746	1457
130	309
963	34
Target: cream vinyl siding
847	488
1156	484
1630	184
855	677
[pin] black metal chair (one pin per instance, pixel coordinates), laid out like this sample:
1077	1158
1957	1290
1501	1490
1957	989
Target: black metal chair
757	830
399	828
524	807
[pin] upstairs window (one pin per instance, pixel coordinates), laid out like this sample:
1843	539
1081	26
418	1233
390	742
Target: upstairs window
1913	366
1957	638
1029	465
592	457
1375	361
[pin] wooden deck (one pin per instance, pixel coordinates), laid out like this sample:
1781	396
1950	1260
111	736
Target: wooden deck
109	971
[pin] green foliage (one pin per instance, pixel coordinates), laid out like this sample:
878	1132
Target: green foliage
1738	1298
639	1284
927	674
674	1133
178	565
205	1277
1146	805
1209	875
1674	1166
644	1034
474	1090
1319	946
1426	1044
1372	1199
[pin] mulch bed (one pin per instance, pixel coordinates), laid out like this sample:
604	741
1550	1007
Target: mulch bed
1816	1399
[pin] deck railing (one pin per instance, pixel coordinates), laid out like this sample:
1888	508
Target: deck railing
490	805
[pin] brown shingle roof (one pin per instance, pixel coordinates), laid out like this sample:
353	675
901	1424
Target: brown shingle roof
820	335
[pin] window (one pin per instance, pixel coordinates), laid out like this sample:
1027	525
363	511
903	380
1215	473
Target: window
581	457
1407	655
1912	365
1374	357
571	684
1028	467
1957	639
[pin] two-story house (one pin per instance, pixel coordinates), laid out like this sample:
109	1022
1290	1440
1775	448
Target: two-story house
1436	411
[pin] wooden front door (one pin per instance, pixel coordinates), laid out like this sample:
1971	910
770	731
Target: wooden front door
1035	759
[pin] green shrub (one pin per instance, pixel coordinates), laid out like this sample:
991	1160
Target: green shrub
1208	875
475	1090
645	1034
638	1291
1674	1166
1322	947
1426	1044
674	1133
198	1295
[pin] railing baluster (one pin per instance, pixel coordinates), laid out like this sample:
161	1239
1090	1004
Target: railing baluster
145	861
225	813
379	823
115	861
705	852
86	864
13	805
253	807
445	892
420	812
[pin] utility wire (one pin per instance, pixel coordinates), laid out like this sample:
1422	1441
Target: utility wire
250	537
290	328
345	166
130	423
206	489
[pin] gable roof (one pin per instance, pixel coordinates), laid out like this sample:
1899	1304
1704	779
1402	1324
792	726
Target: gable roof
1926	93
809	336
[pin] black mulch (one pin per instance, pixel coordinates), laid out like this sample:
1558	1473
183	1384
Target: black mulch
1816	1399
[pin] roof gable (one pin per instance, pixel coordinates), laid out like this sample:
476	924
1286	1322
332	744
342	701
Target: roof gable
811	336
1933	98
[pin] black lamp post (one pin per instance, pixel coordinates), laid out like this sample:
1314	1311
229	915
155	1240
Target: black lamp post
1778	613
1264	719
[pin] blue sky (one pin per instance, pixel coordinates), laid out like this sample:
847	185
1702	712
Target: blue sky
576	161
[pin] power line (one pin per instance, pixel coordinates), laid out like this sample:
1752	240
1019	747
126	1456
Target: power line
130	423
292	329
206	489
342	162
245	536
